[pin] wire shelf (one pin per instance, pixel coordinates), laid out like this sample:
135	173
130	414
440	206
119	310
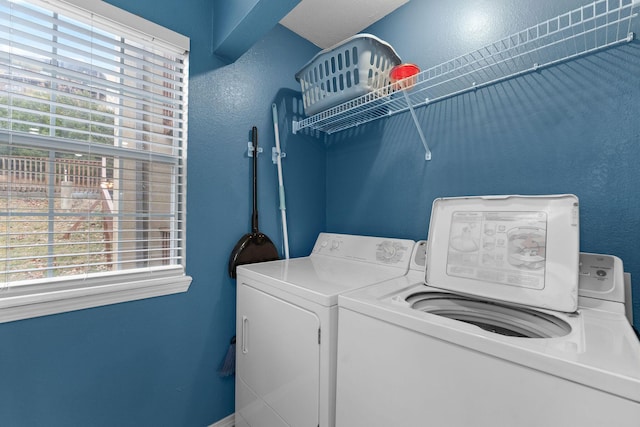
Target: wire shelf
593	27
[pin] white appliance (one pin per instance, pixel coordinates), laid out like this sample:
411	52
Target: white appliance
412	352
287	324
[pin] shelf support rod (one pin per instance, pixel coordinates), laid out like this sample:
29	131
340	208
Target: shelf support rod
427	151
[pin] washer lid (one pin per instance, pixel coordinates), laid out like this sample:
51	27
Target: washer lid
519	249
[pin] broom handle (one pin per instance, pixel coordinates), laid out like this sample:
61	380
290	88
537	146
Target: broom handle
283	206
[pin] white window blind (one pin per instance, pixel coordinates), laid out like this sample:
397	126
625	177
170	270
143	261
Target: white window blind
93	118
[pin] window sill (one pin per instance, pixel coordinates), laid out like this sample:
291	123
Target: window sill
59	296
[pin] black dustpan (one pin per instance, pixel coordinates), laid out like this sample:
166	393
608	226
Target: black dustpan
254	246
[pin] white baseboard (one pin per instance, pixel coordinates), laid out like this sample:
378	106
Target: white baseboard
225	422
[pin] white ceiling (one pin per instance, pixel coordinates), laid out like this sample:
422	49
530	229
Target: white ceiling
327	22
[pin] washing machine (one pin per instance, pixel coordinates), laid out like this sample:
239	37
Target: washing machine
287	324
505	323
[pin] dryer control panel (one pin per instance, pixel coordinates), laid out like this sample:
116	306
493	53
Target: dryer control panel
377	250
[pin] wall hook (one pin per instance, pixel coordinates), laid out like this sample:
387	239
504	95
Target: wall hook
250	149
275	154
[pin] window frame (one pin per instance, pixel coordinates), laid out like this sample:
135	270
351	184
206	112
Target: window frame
28	299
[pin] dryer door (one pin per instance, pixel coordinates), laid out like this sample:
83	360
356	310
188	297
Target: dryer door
278	361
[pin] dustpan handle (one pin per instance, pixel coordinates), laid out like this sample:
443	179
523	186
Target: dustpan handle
254	215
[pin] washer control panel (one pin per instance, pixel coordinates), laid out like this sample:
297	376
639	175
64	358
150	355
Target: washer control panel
601	277
378	250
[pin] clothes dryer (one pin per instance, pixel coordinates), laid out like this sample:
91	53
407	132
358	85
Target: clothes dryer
287	324
415	352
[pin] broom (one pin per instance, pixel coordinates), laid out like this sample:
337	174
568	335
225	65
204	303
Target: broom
228	366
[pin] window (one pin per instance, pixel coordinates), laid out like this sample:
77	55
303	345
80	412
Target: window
93	114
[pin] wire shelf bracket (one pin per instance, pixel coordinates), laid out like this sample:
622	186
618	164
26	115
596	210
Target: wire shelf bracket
583	31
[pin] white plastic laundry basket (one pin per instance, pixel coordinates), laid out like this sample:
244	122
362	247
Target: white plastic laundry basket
353	67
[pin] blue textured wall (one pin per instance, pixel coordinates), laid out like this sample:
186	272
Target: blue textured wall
154	362
572	128
238	24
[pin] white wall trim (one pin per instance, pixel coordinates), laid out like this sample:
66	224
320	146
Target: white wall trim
225	422
59	296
